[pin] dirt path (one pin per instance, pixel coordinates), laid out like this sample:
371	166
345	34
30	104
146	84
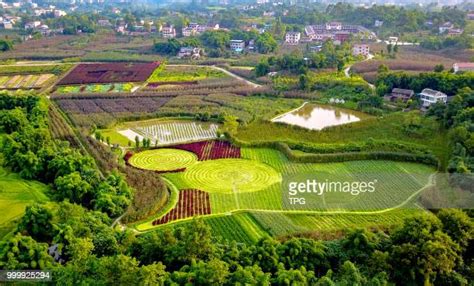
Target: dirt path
348	69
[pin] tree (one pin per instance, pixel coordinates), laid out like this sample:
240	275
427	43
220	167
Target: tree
12	120
5	45
171	47
137	142
421	250
438	68
72	187
230	124
458	225
37	222
262	69
23	252
265	43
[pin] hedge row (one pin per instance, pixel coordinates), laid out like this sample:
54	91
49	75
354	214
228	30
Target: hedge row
346	152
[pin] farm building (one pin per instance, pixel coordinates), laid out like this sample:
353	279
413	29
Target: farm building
461	67
401	94
429	96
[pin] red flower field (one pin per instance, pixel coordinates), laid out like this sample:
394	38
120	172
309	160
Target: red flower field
109	73
211	150
190	203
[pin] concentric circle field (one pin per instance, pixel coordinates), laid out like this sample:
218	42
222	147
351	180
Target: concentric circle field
163	159
231	175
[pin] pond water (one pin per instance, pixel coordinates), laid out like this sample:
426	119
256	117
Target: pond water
317	117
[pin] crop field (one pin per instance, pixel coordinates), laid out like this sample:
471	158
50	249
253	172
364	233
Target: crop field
211	150
16	194
95	88
254	183
173	132
190	203
183	74
24	81
109	73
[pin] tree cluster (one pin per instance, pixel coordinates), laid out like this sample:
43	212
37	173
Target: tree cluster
29	149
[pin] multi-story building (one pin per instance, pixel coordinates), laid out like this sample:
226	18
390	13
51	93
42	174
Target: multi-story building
168	32
360	50
293	38
429	96
237	45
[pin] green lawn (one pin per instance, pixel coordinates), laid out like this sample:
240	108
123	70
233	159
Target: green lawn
184	73
15	194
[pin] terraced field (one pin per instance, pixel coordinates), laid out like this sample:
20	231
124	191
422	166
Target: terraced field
15	195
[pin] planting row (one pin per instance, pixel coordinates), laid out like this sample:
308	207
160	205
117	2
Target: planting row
177	132
211	150
190	203
95	88
24	81
109	73
112	105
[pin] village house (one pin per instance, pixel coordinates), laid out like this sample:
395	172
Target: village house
360	50
237	45
401	94
470	15
168	32
445	27
189	52
32	25
293	38
463	67
429	96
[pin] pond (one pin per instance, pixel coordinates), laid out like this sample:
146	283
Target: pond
316	116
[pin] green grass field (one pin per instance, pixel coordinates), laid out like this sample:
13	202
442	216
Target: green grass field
15	194
184	73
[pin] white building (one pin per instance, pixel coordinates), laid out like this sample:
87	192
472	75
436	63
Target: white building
59	13
189	52
32	25
334	26
445	27
293	38
237	45
168	32
360	50
430	96
460	67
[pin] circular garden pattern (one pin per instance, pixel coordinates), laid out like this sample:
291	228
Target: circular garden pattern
163	159
229	175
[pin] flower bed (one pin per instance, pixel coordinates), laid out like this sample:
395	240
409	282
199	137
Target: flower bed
211	150
190	203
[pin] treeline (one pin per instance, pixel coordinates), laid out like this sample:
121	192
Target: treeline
29	149
426	249
446	82
438	43
458	116
396	20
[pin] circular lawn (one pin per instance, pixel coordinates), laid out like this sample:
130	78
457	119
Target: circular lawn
163	159
229	175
